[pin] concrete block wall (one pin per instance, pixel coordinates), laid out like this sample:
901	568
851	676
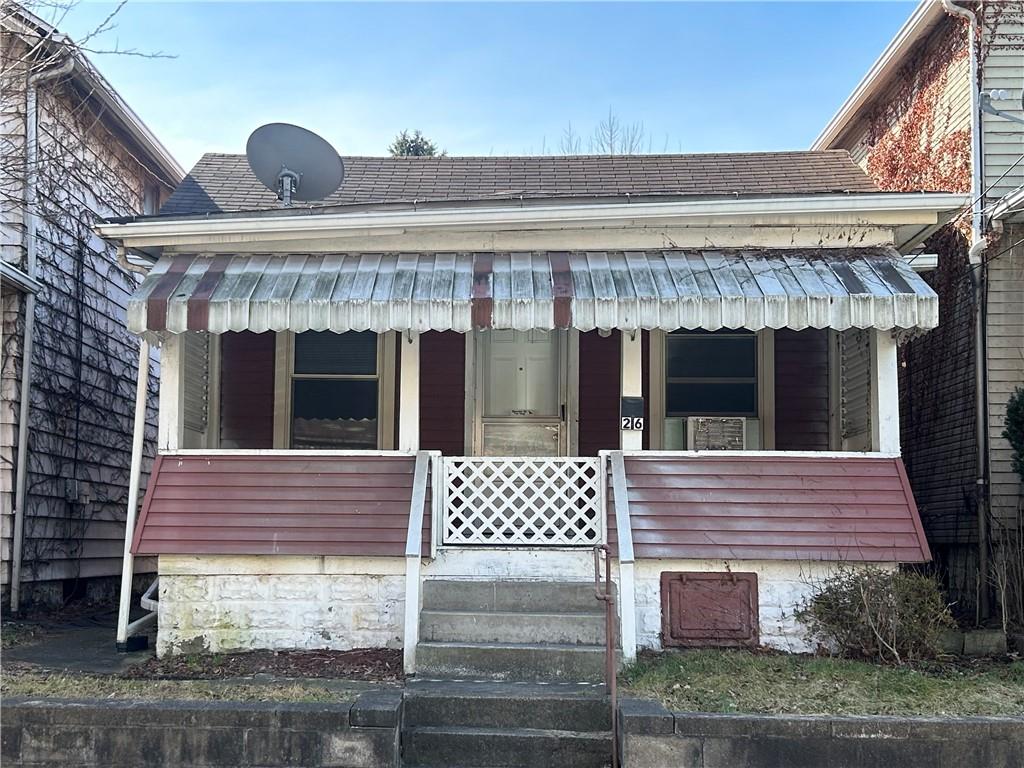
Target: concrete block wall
233	603
47	733
782	586
653	737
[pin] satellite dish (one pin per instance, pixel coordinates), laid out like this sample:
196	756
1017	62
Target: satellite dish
294	163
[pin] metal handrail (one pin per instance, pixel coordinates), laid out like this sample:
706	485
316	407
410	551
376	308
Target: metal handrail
607	596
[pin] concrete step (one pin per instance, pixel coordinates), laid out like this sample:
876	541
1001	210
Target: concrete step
514	596
510	661
504	748
558	706
569	628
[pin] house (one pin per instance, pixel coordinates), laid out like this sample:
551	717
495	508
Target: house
71	153
916	121
406	416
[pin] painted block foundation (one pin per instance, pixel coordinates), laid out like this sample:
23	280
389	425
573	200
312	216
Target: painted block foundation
233	603
782	586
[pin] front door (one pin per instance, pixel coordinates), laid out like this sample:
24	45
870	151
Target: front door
522	385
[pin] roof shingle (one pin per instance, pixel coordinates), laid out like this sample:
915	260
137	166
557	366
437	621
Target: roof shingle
221	183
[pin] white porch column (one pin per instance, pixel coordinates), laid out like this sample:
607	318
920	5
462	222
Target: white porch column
885	393
631	384
409	393
134	475
172	394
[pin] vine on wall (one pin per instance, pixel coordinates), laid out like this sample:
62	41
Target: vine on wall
84	359
913	145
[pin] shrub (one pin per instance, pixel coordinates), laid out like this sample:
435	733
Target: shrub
889	616
1014	432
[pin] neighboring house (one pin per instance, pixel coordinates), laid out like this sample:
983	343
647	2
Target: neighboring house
448	382
909	125
71	153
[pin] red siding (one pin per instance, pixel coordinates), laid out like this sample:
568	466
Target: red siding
599	393
247	390
443	392
801	390
297	504
773	507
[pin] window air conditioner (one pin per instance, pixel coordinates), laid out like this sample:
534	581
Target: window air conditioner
716	433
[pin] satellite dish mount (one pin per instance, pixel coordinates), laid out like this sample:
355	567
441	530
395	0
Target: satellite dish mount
287	185
293	163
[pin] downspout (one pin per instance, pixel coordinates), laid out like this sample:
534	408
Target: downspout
31	201
976	269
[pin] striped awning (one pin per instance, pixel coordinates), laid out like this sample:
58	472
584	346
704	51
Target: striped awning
665	289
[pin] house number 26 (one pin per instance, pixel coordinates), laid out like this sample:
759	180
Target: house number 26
633	422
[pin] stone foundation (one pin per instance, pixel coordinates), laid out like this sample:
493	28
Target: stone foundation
221	603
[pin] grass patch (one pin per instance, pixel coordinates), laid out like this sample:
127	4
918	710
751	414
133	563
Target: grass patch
14	633
740	681
80	686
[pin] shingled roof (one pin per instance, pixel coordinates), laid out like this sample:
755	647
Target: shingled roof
222	183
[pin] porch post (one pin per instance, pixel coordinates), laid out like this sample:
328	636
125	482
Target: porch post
885	394
409	393
134	473
170	425
631	384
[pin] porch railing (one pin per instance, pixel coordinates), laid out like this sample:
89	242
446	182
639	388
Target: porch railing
522	501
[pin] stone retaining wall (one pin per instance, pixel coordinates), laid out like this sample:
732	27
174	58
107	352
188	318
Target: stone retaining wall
653	737
47	733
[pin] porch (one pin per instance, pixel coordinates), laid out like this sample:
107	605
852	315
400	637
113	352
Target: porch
381	420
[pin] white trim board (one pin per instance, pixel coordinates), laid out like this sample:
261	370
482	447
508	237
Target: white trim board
887	208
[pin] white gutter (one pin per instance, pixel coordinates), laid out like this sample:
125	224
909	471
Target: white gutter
920	21
11	275
31	246
157	231
1009	204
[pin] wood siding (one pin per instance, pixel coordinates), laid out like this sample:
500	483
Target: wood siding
801	390
247	390
274	504
773	508
1003	67
599	392
443	392
886	113
937	411
84	359
1005	344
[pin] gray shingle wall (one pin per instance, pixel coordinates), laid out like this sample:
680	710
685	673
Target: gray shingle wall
224	183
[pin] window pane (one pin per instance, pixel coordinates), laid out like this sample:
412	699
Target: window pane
334	413
713	399
353	353
710	356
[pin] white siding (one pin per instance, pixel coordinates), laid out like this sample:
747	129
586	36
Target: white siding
83	381
1003	67
1005	329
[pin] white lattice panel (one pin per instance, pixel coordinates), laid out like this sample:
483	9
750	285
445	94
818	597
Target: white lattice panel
557	502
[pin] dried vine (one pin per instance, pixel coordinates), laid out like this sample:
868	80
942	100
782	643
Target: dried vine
84	360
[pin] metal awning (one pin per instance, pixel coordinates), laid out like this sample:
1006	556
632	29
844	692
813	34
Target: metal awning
836	288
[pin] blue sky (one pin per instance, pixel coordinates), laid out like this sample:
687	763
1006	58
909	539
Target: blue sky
490	78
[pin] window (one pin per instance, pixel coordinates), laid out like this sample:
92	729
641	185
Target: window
335	390
711	373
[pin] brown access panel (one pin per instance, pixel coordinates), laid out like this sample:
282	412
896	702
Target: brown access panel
700	609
